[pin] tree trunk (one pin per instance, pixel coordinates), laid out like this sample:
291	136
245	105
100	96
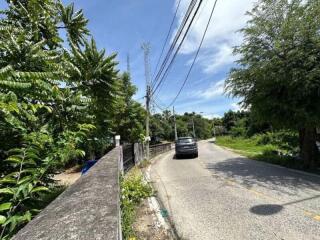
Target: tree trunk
308	147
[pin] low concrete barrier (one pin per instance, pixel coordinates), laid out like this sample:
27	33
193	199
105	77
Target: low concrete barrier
88	209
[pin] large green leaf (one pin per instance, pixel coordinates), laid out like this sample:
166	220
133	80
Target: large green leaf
7	180
14	159
40	189
24	180
5	206
6	191
2	219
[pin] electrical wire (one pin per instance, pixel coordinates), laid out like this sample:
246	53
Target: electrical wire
197	53
158	106
177	50
167	37
196	20
174	42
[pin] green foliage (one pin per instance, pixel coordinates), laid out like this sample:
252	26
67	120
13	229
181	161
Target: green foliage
286	140
242	124
75	23
162	126
59	103
278	71
246	146
240	128
27	174
230	118
129	115
276	148
133	191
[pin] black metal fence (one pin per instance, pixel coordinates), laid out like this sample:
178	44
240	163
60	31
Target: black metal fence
128	156
159	148
133	154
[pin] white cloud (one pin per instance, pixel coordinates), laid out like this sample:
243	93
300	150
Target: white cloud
222	35
235	107
238	107
215	60
215	90
211	115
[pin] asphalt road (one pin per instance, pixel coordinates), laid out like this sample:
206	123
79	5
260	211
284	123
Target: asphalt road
221	195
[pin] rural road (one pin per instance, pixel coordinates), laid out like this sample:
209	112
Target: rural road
221	195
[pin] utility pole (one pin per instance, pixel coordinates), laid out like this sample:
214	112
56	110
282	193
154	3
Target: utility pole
128	64
175	125
214	129
146	49
194	133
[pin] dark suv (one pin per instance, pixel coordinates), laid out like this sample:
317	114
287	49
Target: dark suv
186	146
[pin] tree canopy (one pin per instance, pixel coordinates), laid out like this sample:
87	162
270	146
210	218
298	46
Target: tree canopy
278	71
162	126
61	100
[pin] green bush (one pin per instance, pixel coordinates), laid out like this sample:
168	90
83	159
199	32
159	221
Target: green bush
263	139
239	129
284	139
133	191
61	101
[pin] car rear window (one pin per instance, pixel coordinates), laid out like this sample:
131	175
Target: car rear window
185	140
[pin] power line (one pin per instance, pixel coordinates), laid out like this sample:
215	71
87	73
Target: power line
176	38
158	106
176	52
159	101
195	58
167	38
196	20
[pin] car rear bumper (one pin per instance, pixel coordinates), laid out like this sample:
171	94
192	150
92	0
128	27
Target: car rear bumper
186	151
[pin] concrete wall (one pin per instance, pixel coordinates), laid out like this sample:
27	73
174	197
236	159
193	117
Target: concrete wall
88	209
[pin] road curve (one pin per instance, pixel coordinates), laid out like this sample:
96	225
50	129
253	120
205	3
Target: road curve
221	195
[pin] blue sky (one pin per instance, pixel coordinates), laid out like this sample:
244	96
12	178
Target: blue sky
122	25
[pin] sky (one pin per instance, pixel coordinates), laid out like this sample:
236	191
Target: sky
121	26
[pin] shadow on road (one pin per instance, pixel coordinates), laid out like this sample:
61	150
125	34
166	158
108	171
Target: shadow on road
251	173
266	209
186	157
270	209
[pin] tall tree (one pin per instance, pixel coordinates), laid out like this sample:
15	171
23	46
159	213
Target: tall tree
279	66
95	76
43	113
129	115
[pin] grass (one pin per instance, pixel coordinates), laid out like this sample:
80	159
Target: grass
144	163
250	148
